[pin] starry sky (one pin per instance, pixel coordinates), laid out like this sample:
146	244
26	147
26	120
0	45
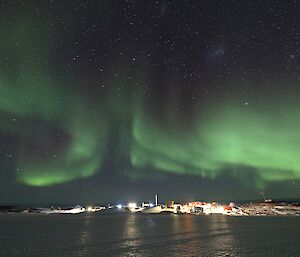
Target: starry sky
103	101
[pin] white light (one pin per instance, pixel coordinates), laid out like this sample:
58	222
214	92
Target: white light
132	205
119	206
151	204
89	209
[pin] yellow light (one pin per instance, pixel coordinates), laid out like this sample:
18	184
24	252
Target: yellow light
132	205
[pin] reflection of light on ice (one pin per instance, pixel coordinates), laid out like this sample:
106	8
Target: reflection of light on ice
223	243
131	239
85	237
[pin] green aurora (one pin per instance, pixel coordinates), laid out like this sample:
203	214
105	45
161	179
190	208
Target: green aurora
32	100
230	136
35	104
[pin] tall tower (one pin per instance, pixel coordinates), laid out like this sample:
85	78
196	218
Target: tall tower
156	200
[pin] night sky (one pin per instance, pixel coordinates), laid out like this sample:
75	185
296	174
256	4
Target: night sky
103	101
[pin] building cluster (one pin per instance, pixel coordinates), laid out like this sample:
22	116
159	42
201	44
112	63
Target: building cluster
267	208
187	208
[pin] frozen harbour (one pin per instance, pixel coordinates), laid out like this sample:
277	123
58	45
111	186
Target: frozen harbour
126	234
